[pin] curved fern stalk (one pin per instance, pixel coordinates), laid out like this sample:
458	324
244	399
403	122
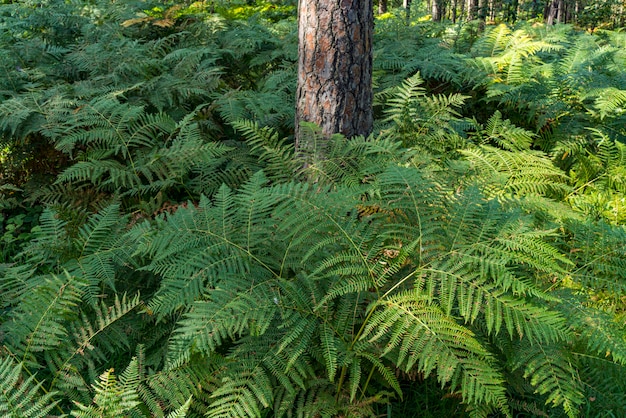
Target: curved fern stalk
22	398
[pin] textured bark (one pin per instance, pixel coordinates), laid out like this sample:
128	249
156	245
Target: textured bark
335	67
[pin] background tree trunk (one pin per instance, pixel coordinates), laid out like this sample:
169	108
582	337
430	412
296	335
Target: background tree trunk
437	10
382	6
552	11
407	7
472	7
335	67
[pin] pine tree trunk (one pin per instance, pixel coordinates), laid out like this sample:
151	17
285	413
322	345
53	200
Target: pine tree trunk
335	67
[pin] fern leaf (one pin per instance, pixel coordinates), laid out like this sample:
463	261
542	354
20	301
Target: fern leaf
41	315
20	397
113	397
425	336
552	374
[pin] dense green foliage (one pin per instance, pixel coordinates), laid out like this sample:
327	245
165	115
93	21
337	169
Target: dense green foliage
164	253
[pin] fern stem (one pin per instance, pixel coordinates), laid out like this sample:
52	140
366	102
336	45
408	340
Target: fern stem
367	382
398	283
344	368
342	378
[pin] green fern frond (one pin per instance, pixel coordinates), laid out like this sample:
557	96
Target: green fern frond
494	42
171	389
419	119
520	172
39	319
504	134
22	397
113	397
181	412
244	393
227	316
425	336
604	383
611	102
274	152
599	330
598	251
93	338
552	374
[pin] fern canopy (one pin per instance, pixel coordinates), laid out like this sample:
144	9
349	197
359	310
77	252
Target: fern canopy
164	252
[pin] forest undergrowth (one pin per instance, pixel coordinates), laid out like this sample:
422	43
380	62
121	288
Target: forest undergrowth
164	253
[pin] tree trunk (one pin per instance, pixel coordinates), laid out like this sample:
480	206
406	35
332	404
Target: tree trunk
560	12
438	10
382	6
407	7
482	13
472	7
552	12
434	11
453	10
334	68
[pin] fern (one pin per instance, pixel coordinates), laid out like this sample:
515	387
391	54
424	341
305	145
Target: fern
115	397
424	121
40	318
442	252
277	155
22	397
553	375
425	335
